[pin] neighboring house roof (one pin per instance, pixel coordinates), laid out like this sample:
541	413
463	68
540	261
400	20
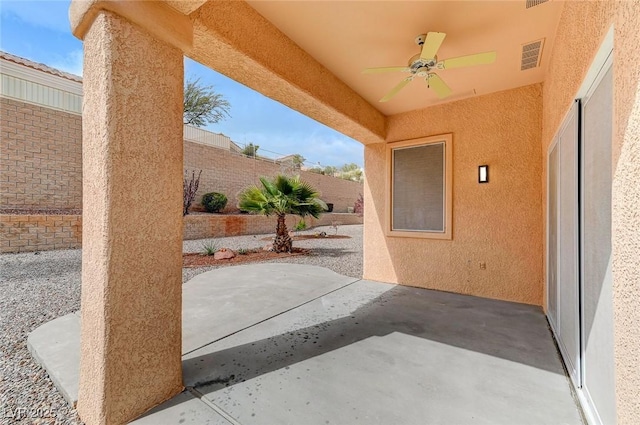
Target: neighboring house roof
235	147
39	66
286	158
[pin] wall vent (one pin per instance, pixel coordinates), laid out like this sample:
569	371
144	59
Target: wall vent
533	3
531	53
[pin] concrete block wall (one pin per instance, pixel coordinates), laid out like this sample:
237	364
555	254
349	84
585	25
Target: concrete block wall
41	164
201	226
229	173
40	157
24	233
28	233
41	174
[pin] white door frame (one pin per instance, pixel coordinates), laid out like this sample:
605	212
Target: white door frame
583	393
552	321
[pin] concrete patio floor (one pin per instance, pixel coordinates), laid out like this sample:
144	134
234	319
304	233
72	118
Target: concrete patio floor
298	344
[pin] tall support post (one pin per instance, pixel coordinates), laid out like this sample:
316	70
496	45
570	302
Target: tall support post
132	222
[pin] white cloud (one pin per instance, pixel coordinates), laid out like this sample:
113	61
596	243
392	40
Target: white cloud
71	62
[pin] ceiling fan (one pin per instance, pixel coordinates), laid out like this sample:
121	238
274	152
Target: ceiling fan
423	64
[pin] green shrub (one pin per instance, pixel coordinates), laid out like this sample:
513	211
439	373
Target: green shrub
214	202
209	248
301	225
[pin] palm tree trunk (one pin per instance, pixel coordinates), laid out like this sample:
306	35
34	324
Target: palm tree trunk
282	242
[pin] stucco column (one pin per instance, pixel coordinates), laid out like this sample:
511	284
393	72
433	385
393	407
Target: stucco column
132	222
626	267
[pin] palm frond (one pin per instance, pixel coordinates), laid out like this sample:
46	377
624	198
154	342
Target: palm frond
286	185
253	199
282	195
305	191
269	186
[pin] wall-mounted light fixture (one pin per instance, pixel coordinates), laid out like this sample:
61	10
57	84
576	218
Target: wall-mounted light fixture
483	174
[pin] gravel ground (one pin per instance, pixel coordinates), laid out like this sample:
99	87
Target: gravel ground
37	288
34	289
343	256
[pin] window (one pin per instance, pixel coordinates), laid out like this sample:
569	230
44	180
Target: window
420	176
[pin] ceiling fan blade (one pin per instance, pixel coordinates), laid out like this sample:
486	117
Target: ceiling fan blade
438	85
470	60
396	89
432	44
386	69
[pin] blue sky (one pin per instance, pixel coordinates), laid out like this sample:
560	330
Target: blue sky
39	31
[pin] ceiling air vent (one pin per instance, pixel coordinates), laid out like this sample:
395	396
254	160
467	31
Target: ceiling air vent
531	54
533	3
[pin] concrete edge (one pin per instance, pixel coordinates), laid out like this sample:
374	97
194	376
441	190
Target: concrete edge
55	345
52	346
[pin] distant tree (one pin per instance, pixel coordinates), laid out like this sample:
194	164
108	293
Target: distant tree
349	167
250	150
202	105
298	160
330	170
316	169
351	172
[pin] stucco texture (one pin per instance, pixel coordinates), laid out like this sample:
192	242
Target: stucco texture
234	39
499	223
582	28
132	230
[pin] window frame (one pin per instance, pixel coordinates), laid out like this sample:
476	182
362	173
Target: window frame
447	234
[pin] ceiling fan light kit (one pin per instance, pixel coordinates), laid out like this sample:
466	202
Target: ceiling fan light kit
426	62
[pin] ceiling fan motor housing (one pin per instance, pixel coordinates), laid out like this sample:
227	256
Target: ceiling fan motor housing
415	63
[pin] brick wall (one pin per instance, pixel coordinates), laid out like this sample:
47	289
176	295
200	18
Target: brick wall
40	157
41	169
201	226
26	233
229	173
23	233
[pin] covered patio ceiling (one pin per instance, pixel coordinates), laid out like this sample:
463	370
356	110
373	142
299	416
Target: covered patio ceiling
310	55
346	37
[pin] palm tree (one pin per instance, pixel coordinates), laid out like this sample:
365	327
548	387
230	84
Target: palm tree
281	196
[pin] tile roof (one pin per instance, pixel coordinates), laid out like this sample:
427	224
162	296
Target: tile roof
39	66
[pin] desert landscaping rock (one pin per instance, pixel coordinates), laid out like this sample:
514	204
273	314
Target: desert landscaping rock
38	287
224	254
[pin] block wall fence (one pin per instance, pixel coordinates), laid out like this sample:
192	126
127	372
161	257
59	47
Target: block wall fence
228	172
40	157
41	182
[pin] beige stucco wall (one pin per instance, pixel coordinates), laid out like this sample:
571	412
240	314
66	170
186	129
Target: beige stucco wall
499	223
131	258
582	28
